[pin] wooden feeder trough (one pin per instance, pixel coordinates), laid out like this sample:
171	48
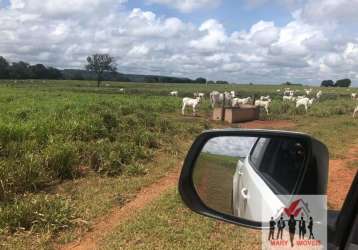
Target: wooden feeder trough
243	113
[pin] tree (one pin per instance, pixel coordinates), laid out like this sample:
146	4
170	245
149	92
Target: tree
20	70
38	71
4	68
327	83
222	82
53	73
200	80
100	63
345	83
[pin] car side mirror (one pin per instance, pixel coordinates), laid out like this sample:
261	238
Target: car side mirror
238	175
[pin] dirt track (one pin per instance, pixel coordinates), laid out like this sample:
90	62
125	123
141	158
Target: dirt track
341	175
339	182
106	224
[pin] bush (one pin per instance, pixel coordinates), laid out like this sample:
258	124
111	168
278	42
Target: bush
135	170
21	175
110	121
61	160
40	213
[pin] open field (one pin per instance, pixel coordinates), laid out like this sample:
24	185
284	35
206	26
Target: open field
70	152
212	178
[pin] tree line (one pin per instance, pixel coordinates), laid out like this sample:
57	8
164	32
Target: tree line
344	83
23	70
100	67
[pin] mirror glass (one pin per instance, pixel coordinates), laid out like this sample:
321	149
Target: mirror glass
243	176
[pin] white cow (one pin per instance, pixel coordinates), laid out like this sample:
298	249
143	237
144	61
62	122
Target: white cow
265	98
300	97
355	111
217	97
233	94
201	95
190	102
306	102
308	91
289	98
263	104
237	101
354	95
319	94
122	91
174	93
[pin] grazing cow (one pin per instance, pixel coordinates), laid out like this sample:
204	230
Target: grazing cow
306	102
174	93
217	98
308	91
265	98
263	104
190	102
355	111
319	94
289	98
237	101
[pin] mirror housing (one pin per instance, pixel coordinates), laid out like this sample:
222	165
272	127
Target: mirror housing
312	181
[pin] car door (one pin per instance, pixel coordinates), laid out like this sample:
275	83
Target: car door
256	200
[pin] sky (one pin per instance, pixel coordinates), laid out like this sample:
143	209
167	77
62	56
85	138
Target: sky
234	146
241	41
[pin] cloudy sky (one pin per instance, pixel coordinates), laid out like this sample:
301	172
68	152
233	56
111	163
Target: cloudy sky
262	41
234	146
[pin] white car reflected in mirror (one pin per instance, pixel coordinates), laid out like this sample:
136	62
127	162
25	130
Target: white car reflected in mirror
243	176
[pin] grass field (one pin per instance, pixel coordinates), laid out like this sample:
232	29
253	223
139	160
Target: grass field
213	179
70	152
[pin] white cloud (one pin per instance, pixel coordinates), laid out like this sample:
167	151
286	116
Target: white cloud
330	11
214	36
187	5
143	42
138	51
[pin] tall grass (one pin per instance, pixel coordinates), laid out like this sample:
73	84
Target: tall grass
50	136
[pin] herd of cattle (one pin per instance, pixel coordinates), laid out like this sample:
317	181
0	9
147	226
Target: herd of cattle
231	99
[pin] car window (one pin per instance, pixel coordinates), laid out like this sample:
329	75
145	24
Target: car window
258	151
282	163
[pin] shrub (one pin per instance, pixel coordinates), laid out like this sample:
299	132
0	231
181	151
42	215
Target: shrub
61	160
135	169
21	175
36	212
110	121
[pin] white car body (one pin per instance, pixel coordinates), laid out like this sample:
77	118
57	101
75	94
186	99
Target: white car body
252	198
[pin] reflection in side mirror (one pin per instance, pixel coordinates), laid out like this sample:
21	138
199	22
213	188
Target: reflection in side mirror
242	176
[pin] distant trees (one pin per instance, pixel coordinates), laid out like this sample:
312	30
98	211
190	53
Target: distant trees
344	83
222	82
291	84
200	80
327	83
100	63
4	68
20	70
23	70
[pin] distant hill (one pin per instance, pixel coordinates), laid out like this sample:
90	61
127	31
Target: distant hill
77	74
